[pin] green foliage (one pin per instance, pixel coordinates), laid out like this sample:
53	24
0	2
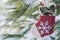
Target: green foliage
35	38
21	9
16	35
57	1
58	10
57	27
18	12
58	6
30	11
53	38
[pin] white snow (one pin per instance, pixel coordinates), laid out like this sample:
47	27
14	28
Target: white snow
57	18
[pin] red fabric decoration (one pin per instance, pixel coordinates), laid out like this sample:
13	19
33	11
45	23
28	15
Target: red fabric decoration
42	5
45	25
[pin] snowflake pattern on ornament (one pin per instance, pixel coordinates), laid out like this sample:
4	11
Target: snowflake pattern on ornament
44	27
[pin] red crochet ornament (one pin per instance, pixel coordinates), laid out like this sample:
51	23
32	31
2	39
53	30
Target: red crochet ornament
45	25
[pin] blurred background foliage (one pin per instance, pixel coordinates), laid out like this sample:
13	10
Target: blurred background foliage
58	6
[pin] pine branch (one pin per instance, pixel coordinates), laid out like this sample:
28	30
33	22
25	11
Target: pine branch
16	35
